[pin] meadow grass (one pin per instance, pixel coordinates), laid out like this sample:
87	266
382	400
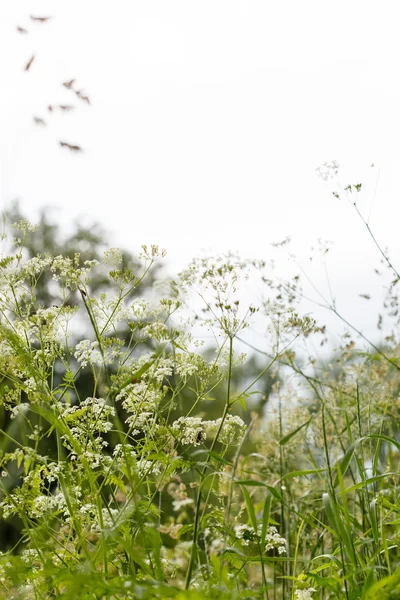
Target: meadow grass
130	490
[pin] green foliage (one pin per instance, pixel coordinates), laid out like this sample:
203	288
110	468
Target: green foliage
386	589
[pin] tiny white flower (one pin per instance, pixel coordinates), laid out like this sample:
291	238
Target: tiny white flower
113	257
178	504
304	594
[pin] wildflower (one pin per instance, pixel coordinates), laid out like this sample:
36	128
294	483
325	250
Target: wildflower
216	546
304	594
148	467
36	265
274	540
113	257
19	409
28	556
186	365
232	430
245	533
190	430
157	331
140	401
109	516
172	530
85	352
162	369
152	252
42	505
328	170
178	504
24	226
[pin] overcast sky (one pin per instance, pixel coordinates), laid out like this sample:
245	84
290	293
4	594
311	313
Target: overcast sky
208	120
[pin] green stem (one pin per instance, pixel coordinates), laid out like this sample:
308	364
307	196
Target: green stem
203	473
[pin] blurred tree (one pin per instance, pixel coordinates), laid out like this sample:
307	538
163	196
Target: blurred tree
89	241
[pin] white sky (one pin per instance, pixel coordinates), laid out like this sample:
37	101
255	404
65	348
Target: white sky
207	122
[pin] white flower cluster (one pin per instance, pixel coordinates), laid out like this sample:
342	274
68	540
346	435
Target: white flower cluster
152	252
140	400
139	308
190	430
86	352
34	506
273	540
232	430
179	492
157	330
24	226
218	273
186	365
108	312
148	467
30	385
90	518
193	430
124	453
245	533
328	170
67	269
304	594
29	556
19	409
35	265
85	420
43	505
217	281
90	415
225	359
3	569
178	504
161	369
113	257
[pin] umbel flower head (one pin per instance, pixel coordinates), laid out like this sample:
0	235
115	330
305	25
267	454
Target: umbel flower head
305	594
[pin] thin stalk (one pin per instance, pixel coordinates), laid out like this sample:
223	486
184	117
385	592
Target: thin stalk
332	489
203	473
283	583
386	258
296	552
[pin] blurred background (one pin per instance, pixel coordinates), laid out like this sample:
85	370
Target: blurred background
199	126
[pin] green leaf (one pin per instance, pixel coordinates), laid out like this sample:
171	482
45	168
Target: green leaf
374	521
302	472
177	345
265	517
243	402
219	458
254	483
289	436
343	463
386	589
340	526
250	508
366	482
